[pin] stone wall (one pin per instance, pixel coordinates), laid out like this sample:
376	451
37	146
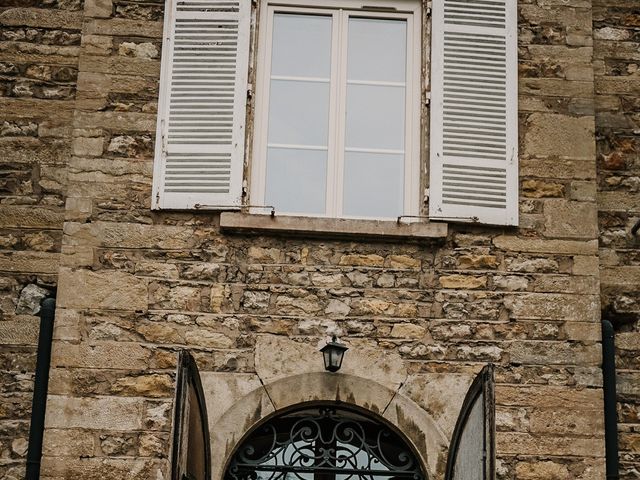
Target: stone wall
136	285
153	282
617	68
39	46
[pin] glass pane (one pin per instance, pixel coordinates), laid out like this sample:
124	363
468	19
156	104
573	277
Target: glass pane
373	185
301	45
299	113
377	50
296	180
375	117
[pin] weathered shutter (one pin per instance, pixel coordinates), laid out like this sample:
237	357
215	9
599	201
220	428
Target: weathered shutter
202	104
191	448
474	111
472	449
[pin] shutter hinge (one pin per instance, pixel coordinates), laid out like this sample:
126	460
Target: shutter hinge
427	98
426	195
429	7
163	138
249	91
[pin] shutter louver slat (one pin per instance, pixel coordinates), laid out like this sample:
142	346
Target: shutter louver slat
200	148
474	169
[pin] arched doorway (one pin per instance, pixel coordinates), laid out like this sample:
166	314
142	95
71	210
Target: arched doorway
324	442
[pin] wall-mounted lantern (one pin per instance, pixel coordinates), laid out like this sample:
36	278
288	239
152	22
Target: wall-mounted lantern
333	353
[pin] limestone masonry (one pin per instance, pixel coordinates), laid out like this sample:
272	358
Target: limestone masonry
78	97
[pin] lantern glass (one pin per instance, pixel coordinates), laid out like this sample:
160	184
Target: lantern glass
333	354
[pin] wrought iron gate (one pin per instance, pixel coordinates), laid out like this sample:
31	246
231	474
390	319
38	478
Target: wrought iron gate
325	442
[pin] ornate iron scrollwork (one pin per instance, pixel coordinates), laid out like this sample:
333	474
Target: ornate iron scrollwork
324	443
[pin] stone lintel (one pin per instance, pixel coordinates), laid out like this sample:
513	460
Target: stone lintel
331	227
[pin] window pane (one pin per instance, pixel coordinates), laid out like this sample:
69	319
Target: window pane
377	50
375	117
301	45
299	113
296	180
373	185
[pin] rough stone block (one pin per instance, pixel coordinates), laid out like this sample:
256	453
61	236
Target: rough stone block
105	289
586	422
570	219
528	444
110	413
534	245
585	265
222	390
98	8
426	389
408	330
542	189
559	136
554	353
68	443
22	331
541	396
40	17
358	260
132	235
87	146
117	355
466	282
29	262
58	468
30	217
67	325
151	385
581	308
278	357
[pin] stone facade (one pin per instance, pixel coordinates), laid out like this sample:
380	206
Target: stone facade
617	73
39	49
79	95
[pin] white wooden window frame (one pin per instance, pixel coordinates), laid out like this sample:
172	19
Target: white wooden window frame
409	10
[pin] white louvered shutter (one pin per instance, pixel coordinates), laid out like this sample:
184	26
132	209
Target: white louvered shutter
474	111
202	105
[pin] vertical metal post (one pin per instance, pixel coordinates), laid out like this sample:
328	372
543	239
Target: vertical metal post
610	411
40	387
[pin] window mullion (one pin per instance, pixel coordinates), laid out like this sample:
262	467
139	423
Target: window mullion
412	120
333	116
259	164
341	114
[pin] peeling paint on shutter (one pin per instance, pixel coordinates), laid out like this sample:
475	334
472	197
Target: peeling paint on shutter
474	116
472	450
202	105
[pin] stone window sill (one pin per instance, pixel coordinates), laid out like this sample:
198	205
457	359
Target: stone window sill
330	227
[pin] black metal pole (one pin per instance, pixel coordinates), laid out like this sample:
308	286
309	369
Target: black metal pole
610	411
41	384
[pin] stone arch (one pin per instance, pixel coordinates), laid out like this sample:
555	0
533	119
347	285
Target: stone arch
416	425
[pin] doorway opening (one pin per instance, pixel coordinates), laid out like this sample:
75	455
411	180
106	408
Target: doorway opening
324	442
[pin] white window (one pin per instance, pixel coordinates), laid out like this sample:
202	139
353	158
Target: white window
338	130
338	110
